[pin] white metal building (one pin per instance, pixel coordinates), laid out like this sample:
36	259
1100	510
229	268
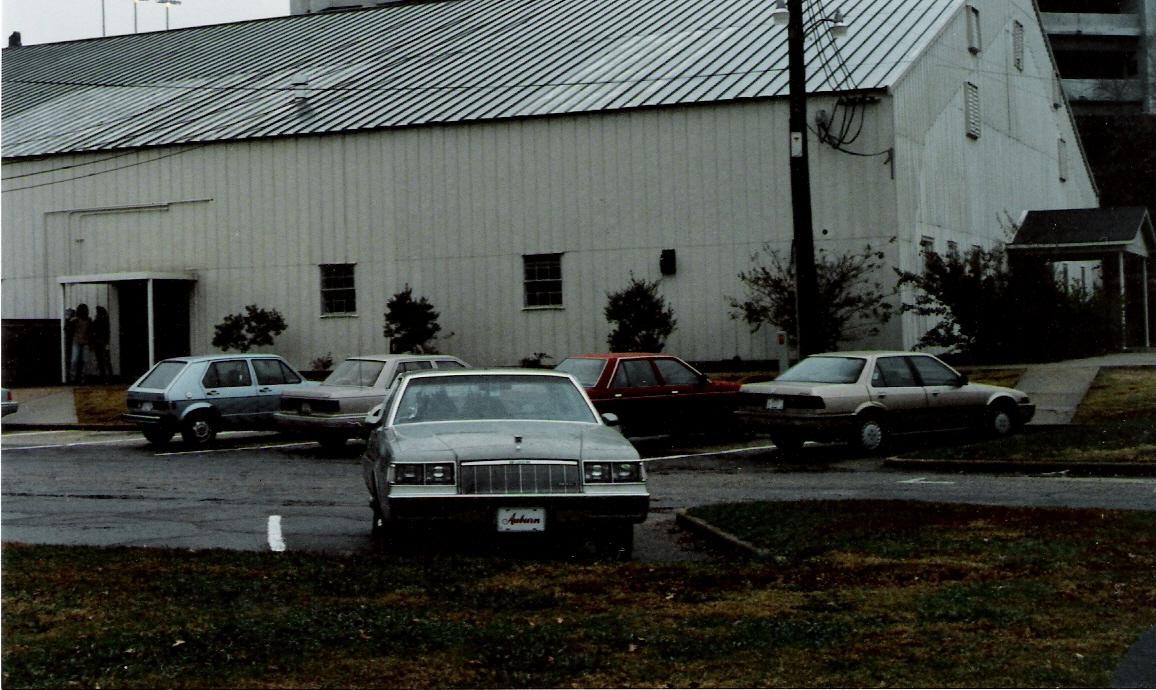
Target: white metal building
512	162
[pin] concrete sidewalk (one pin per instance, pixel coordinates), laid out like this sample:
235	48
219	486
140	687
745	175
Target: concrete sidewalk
1058	388
50	406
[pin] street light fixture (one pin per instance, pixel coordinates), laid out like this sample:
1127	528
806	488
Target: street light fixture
790	12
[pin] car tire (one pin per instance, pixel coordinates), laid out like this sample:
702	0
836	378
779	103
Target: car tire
199	429
870	434
618	542
787	442
1000	420
159	436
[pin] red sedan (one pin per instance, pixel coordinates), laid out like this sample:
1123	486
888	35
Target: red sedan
653	392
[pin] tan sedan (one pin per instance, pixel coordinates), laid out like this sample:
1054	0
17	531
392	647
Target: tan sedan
865	397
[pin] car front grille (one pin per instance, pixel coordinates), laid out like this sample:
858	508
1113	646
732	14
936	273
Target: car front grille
524	477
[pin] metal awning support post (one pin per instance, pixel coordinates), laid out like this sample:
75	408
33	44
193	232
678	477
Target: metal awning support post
1144	298
152	326
63	341
1123	301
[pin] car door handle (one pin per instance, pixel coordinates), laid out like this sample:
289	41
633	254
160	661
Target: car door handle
618	395
674	392
881	395
266	389
212	392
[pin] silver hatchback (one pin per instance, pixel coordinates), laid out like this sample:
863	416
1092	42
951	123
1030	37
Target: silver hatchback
864	397
199	396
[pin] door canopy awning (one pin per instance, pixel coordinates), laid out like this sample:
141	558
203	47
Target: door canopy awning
1076	234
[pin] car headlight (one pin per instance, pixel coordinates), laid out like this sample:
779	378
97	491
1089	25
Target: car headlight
417	474
612	472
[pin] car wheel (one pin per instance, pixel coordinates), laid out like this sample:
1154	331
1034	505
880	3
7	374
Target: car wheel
199	429
618	542
159	436
870	434
787	442
333	444
1001	420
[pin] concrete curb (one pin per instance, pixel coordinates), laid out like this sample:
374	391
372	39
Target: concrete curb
1072	469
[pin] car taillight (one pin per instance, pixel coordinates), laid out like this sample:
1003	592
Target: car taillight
414	474
612	472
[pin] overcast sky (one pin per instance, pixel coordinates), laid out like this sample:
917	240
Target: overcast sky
49	21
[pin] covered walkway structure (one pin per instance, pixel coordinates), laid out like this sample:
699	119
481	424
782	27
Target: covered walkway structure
1122	240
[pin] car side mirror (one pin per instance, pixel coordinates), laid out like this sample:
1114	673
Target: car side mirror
610	419
374	416
961	381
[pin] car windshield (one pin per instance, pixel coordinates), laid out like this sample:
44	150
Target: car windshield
355	372
586	371
505	396
825	370
162	375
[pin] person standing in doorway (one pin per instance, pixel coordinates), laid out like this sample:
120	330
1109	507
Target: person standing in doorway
80	340
98	338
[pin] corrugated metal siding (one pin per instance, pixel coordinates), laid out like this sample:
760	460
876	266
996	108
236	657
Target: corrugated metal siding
451	211
970	191
430	63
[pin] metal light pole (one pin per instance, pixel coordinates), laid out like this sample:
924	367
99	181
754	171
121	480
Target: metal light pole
806	279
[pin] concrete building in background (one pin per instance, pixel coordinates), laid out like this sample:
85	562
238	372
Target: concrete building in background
1106	53
513	162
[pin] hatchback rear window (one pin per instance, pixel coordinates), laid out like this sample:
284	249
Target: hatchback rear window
162	375
825	370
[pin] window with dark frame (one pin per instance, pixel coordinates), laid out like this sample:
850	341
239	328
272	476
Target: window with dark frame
338	290
542	280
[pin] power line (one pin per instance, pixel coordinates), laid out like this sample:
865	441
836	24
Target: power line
102	172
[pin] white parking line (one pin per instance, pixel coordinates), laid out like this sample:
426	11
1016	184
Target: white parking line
714	452
924	480
70	445
236	448
276	541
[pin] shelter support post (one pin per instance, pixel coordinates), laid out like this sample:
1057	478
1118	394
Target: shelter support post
151	326
64	363
1144	299
1123	300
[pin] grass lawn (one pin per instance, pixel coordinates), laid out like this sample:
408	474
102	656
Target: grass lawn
100	404
859	594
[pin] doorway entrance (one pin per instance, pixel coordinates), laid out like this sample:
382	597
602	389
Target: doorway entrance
150	314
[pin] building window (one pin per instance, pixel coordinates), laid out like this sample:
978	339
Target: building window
971	108
338	290
1018	45
974	40
542	279
1062	158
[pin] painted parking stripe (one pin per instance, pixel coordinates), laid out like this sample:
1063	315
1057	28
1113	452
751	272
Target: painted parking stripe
232	449
924	480
70	445
276	541
713	452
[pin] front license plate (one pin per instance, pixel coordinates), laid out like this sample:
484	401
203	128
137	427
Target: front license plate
146	407
521	519
774	403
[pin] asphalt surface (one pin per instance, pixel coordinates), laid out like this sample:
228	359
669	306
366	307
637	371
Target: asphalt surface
263	492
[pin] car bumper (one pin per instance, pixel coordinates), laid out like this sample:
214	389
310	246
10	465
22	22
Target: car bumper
561	511
1027	412
143	420
349	425
816	426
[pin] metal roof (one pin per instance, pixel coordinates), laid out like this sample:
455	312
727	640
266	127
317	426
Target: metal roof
1084	227
435	62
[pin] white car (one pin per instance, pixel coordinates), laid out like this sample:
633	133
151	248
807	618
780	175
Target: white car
514	452
333	412
864	397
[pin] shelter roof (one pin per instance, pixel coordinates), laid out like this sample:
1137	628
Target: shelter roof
1086	231
420	63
